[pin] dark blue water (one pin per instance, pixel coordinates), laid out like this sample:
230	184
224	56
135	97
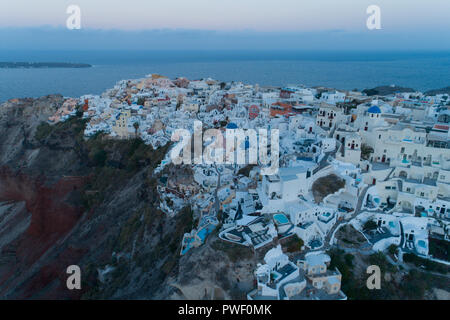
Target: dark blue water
342	70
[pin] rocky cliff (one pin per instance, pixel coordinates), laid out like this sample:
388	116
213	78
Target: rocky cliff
65	200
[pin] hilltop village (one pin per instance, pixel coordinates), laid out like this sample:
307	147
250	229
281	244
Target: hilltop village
380	164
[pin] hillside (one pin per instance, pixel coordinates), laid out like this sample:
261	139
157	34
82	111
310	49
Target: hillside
64	200
434	92
386	90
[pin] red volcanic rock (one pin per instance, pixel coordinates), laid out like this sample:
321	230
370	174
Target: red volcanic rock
51	216
50	281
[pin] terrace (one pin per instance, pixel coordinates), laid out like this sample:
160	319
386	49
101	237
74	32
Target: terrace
281	274
326	216
380	233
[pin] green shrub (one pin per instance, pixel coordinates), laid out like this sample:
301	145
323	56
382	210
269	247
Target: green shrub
392	249
349	259
43	130
294	244
366	151
428	264
141	101
379	259
370	225
439	248
246	170
99	158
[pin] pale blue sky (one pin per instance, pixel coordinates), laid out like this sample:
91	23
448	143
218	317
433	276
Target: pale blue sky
225	24
259	15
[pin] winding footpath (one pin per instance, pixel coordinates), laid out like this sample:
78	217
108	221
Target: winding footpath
338	224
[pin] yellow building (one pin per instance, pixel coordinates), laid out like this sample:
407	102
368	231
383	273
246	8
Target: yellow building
120	126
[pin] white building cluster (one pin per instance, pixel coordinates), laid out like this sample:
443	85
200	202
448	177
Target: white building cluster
307	279
391	152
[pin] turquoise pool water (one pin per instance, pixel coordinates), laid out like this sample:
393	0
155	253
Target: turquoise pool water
280	218
422	243
203	233
275	275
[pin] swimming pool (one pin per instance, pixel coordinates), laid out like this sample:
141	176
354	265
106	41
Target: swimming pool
422	243
275	275
203	233
280	218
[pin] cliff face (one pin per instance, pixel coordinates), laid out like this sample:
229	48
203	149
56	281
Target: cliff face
33	215
50	217
54	209
93	203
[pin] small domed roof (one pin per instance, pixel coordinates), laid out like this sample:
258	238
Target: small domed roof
232	125
374	109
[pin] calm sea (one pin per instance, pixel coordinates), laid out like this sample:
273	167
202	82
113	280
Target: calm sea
342	70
